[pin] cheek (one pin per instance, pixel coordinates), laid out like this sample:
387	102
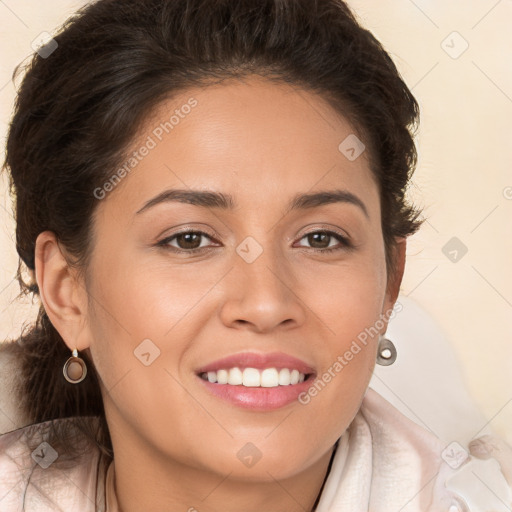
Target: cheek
351	319
348	299
137	315
139	302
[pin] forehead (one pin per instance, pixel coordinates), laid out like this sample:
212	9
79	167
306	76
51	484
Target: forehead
260	141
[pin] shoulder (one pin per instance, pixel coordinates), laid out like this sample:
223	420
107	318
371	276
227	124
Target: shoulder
35	476
444	474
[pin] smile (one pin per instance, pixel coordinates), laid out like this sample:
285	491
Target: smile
257	381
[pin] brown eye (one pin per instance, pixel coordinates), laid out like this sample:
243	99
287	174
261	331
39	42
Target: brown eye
186	241
320	241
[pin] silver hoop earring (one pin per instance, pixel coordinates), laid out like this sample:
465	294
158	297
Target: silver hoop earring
386	352
74	369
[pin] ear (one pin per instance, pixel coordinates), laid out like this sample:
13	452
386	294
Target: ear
64	298
395	277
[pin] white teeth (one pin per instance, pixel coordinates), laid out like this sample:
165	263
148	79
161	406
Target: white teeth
269	378
222	376
284	377
235	377
252	377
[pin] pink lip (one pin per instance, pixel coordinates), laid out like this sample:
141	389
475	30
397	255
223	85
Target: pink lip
244	360
258	398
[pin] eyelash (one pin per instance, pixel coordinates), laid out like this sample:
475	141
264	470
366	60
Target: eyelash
345	243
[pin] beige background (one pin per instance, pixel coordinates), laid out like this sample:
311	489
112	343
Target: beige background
463	180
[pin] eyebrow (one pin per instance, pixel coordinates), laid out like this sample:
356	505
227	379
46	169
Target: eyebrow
210	199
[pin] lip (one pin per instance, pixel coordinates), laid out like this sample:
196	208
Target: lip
260	361
258	398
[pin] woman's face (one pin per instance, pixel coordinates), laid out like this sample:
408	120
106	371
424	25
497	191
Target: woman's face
260	282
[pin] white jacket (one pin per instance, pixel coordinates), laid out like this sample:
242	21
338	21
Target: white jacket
388	463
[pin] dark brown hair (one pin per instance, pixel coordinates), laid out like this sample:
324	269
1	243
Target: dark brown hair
79	108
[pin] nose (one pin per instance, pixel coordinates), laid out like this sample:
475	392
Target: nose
263	294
